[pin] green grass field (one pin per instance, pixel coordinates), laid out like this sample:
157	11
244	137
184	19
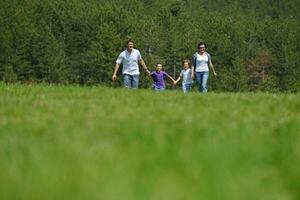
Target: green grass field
68	142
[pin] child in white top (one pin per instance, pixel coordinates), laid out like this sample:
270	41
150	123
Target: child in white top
186	75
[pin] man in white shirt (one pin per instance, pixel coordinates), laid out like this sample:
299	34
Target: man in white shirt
130	58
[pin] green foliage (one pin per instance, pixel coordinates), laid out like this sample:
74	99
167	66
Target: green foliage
9	76
79	41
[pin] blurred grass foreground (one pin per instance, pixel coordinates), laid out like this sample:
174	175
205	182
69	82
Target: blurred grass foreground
68	142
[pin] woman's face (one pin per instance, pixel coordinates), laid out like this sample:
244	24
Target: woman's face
201	48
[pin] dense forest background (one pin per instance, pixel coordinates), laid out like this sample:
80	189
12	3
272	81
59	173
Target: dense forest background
255	45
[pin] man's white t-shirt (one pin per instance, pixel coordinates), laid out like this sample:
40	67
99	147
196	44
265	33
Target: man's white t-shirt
130	61
202	63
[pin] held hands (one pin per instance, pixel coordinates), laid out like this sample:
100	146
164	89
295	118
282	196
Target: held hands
174	83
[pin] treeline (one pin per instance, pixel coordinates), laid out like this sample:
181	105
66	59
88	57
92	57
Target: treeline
255	45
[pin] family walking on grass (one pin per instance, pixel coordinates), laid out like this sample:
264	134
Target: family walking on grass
131	58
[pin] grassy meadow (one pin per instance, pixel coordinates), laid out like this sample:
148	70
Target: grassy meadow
68	142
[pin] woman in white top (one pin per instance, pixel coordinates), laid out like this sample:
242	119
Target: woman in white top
201	63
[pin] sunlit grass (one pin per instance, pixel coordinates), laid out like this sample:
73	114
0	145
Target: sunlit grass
68	142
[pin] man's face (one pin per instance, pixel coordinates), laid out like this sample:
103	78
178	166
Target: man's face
130	46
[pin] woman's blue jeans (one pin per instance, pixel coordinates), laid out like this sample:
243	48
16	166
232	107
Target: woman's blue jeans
202	78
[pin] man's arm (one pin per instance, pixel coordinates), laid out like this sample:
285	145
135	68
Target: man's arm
141	61
114	76
117	66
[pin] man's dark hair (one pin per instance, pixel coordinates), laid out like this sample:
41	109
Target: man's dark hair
129	40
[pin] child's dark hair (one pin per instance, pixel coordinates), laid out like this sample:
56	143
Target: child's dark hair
186	61
159	63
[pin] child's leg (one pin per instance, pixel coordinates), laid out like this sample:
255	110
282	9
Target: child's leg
184	88
188	87
158	89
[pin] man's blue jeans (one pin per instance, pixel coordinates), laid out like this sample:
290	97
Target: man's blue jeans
131	81
202	78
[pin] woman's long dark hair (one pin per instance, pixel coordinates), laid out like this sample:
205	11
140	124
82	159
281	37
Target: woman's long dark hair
201	43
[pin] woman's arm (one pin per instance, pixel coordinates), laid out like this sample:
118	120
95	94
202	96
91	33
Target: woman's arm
212	67
192	72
